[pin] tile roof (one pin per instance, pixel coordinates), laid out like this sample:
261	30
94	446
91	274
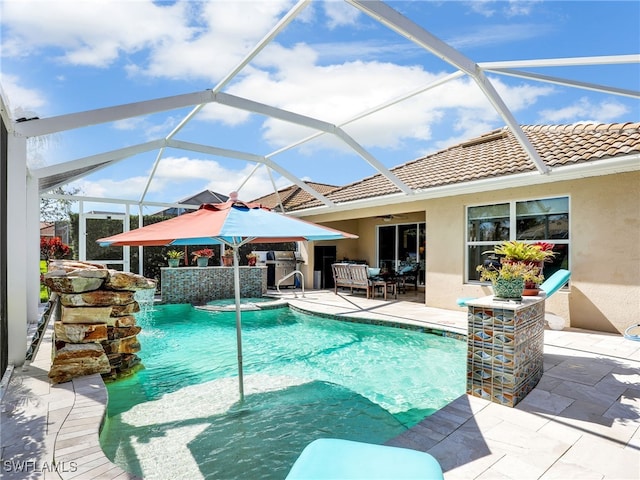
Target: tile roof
293	196
498	153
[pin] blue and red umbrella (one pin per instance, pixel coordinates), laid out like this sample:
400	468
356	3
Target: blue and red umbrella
233	223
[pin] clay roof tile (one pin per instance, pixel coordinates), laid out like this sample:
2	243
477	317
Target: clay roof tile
498	153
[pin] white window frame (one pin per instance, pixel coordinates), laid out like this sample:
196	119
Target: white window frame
512	229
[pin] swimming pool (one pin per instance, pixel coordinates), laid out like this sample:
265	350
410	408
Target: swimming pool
306	377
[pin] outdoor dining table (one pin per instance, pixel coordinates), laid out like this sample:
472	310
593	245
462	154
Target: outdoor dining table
388	285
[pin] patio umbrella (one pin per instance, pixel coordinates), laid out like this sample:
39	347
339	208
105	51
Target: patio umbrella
233	223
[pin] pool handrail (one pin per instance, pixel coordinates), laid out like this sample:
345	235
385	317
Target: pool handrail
290	275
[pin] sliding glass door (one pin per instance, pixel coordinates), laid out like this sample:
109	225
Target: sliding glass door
401	245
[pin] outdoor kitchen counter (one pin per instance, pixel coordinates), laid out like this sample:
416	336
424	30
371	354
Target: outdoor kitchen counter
199	285
505	348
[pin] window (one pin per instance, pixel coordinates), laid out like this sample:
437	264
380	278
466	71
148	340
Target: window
400	245
542	220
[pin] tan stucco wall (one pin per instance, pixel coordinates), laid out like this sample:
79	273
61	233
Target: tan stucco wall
605	249
605	246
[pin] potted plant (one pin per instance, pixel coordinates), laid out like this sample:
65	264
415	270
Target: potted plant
508	278
535	254
227	257
202	256
525	252
174	256
252	258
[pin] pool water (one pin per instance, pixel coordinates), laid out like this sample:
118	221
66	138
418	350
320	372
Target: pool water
306	377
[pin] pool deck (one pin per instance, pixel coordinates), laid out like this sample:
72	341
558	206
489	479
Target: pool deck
581	421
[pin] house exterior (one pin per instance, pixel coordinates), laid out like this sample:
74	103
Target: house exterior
206	196
47	230
480	192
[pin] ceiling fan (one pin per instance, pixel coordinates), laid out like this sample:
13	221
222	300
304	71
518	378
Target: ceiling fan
389	217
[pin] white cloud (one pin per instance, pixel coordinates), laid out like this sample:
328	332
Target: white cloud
516	8
151	131
340	14
512	8
498	34
210	38
482	7
334	94
217	176
228	31
522	96
24	101
338	93
131	187
177	176
584	110
91	32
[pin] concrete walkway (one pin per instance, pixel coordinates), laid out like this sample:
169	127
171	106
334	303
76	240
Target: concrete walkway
581	421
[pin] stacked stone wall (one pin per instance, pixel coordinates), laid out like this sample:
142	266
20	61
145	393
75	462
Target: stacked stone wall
96	331
198	285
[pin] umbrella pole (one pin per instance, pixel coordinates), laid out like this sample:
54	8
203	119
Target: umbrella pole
236	282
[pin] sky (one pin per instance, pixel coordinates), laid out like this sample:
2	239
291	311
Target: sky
332	63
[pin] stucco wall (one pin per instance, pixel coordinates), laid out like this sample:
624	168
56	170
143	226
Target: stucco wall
605	246
606	252
605	249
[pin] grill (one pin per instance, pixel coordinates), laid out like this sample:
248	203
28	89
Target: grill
279	265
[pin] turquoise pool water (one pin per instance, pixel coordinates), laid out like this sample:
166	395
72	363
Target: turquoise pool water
306	377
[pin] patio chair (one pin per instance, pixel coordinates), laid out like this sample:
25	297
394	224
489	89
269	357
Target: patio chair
341	276
360	277
550	286
330	458
408	274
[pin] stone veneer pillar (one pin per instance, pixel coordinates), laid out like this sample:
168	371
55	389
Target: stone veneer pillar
96	330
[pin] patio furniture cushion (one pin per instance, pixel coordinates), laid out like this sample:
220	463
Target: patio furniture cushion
408	273
329	458
555	282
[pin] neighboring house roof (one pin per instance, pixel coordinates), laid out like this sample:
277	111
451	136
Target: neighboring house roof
498	154
205	196
293	196
47	229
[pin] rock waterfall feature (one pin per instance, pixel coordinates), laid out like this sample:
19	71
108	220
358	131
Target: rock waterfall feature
95	329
